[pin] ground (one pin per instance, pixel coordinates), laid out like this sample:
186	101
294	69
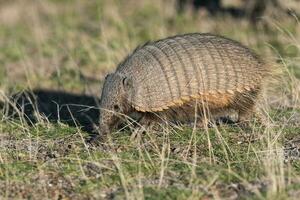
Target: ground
54	56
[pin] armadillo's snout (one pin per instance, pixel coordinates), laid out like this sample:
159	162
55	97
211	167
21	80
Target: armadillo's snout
106	123
104	130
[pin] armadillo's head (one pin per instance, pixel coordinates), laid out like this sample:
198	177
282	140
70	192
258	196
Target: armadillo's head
113	102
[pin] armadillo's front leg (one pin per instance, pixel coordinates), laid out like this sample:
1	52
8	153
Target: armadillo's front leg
148	121
203	123
99	138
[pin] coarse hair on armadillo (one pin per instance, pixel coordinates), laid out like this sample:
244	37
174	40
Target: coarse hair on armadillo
171	72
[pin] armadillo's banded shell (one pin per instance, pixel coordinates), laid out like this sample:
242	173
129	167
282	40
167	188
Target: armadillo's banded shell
173	71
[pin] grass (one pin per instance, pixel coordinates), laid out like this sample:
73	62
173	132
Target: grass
61	51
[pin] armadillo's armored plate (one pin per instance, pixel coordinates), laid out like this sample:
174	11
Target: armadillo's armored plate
173	71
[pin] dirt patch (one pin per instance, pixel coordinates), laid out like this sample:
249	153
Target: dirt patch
45	185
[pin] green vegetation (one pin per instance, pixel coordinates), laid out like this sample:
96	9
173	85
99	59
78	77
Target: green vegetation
70	45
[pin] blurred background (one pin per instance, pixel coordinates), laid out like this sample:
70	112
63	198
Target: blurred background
71	44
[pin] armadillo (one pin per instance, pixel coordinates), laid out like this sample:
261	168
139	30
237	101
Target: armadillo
169	78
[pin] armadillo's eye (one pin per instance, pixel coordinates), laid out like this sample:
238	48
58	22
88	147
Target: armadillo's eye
116	108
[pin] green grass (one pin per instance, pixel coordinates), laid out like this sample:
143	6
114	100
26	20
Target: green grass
70	45
58	149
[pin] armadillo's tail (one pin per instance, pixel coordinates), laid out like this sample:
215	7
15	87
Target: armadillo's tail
272	69
273	81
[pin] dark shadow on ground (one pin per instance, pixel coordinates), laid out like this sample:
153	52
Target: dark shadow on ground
56	106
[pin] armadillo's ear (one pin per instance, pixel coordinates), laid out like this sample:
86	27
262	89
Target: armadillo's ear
107	75
127	83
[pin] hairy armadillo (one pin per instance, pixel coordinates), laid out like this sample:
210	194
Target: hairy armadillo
168	77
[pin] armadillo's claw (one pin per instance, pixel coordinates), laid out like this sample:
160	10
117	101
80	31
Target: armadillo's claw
97	140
